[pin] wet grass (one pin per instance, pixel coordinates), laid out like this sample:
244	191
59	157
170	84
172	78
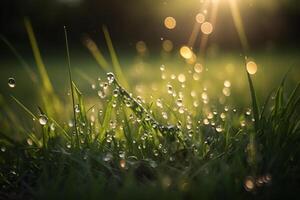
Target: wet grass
183	136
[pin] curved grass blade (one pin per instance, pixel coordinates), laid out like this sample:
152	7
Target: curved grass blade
97	54
37	55
254	103
106	119
71	85
140	111
24	108
114	58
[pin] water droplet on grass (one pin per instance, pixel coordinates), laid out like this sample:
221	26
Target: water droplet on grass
251	67
248	112
116	92
219	129
170	89
11	82
77	108
107	157
3	149
123	163
165	115
29	142
205	121
110	77
43	120
226	91
101	94
159	103
70	123
179	102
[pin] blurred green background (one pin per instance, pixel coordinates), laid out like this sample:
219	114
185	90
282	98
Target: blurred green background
271	27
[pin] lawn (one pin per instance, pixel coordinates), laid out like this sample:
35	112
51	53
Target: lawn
91	120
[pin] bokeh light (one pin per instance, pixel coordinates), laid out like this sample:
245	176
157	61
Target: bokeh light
141	47
181	78
200	18
186	52
167	45
207	28
170	22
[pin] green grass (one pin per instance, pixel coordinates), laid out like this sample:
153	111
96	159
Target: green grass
149	144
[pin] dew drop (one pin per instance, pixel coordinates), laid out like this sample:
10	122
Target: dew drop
223	115
219	129
248	112
170	89
52	127
226	91
205	121
77	108
11	82
123	163
29	142
251	67
43	120
3	149
70	123
121	154
159	103
110	77
101	94
116	92
181	110
164	115
227	84
179	102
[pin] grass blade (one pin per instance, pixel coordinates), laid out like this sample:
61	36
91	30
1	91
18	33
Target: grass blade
97	54
254	103
24	108
37	55
71	85
114	58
